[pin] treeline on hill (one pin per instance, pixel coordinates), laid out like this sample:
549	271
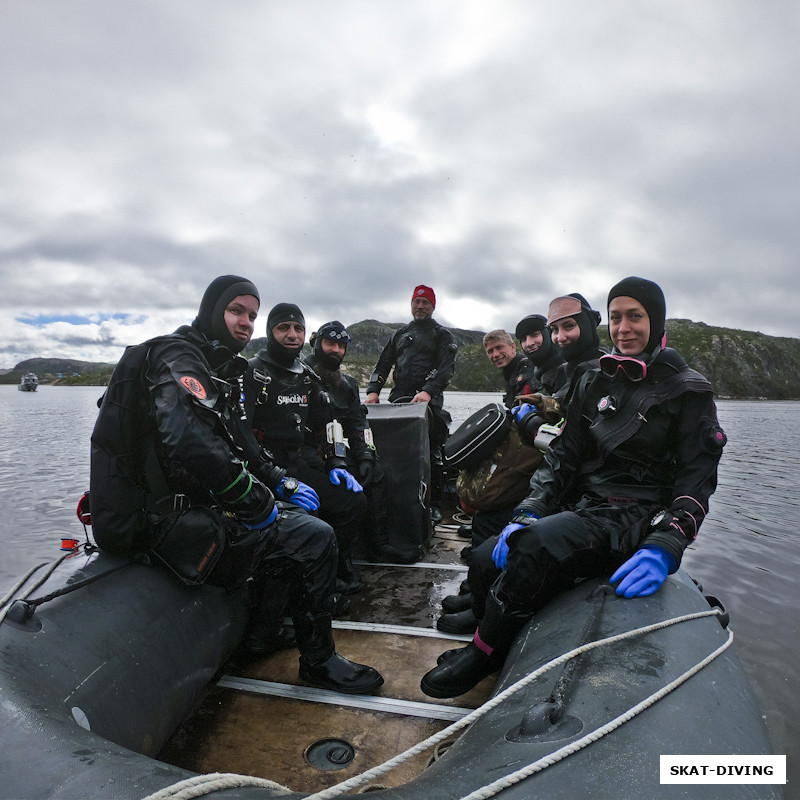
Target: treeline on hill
739	364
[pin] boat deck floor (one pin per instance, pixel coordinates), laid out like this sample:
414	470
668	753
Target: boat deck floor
260	719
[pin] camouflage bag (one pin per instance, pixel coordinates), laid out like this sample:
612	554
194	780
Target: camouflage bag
502	479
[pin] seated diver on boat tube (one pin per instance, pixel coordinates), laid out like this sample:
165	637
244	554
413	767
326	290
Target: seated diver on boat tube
639	452
175	402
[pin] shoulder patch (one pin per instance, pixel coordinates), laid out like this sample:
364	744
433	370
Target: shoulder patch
715	438
193	386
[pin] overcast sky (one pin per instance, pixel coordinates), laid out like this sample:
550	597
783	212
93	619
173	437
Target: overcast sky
339	152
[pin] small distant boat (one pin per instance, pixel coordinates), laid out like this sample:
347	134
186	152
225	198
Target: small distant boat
29	382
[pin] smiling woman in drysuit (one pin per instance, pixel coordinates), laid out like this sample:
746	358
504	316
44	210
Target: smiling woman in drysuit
639	454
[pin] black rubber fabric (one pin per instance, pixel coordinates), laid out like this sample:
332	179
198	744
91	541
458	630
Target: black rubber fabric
454	603
459	673
340	675
462	622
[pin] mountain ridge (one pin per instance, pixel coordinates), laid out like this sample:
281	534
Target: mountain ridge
739	364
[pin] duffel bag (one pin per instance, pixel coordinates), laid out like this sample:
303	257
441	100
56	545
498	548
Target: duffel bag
502	479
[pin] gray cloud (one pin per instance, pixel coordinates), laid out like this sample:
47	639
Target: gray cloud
338	154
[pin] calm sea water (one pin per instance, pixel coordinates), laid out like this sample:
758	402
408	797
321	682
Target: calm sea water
748	552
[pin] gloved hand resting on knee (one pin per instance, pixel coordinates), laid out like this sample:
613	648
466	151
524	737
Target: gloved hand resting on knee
644	572
351	484
303	496
500	552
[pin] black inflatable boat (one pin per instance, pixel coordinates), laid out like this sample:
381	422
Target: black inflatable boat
117	681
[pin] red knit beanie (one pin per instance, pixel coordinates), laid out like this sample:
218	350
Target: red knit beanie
425	291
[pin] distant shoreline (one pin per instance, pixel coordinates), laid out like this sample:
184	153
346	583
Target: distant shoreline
741	365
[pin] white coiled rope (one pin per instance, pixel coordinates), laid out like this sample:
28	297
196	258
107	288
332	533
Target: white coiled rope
537	766
201	785
205	784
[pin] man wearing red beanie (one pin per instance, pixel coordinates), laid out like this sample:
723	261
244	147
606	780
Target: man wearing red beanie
423	355
423	292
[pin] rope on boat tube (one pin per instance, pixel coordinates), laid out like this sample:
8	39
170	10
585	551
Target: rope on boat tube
205	784
358	780
20	583
497	786
201	785
12	593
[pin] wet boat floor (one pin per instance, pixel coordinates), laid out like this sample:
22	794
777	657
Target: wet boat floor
261	719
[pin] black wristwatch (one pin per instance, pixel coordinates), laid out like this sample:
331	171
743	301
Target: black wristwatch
290	486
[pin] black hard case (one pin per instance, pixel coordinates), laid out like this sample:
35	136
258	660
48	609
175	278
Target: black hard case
477	436
401	438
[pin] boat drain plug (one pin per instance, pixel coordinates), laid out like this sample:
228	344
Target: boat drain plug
328	754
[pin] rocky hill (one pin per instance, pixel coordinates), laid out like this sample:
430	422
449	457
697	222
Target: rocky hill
60	370
370	336
739	364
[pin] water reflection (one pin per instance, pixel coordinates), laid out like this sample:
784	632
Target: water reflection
44	468
746	554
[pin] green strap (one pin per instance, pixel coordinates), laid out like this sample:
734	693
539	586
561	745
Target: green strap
243	474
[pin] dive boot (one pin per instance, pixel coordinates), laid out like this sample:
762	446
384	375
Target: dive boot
348	585
341	675
347	577
394	555
448	654
340	604
465	531
454	603
322	666
266	630
259	644
462	622
459	673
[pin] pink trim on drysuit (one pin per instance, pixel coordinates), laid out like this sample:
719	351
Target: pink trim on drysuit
481	645
691	516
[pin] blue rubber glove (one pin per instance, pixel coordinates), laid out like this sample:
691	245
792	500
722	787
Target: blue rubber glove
644	572
338	475
500	552
522	411
266	522
305	497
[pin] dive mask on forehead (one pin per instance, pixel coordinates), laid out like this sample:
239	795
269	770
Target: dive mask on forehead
563	307
336	336
334	331
634	369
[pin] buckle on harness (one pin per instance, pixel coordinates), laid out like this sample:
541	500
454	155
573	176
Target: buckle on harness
180	501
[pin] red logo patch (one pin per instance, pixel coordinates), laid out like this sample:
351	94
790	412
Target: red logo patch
194	386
